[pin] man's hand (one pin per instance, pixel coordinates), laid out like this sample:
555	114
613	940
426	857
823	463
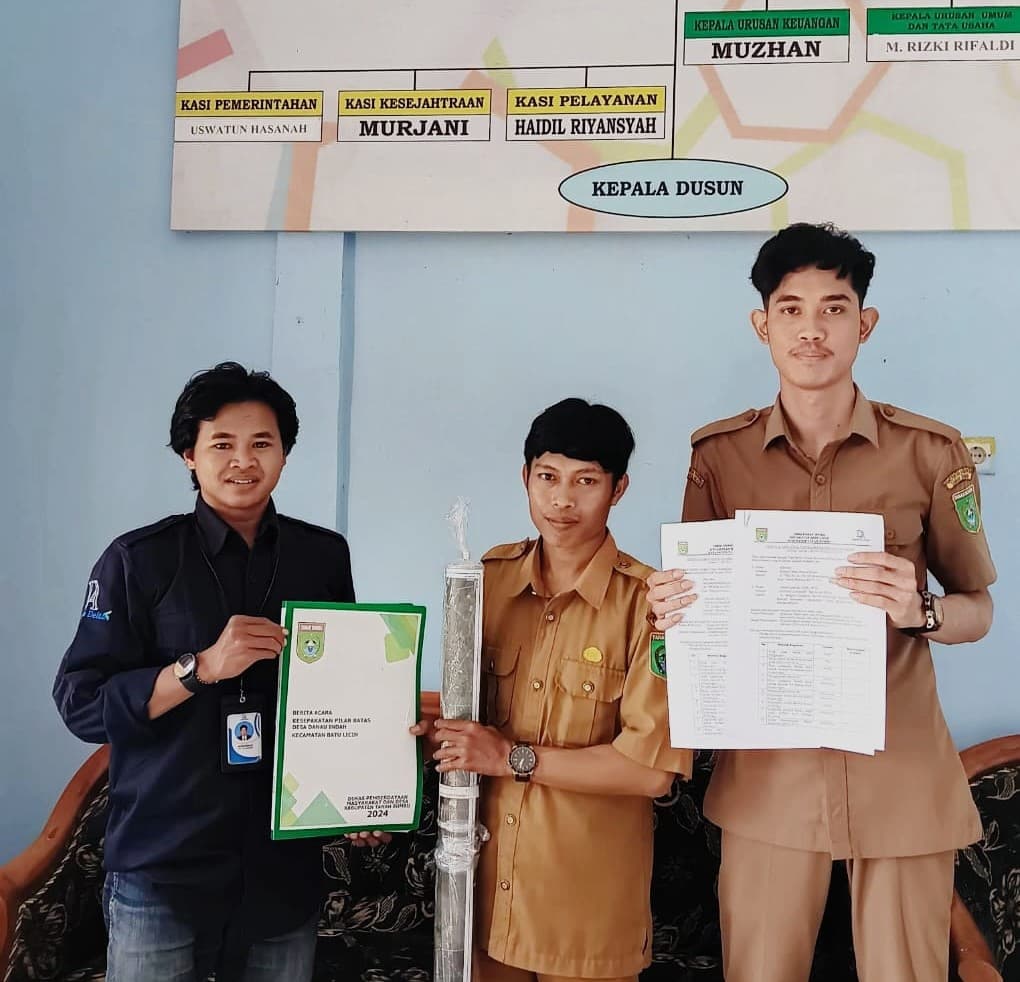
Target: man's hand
426	728
362	839
669	593
467	746
886	581
244	641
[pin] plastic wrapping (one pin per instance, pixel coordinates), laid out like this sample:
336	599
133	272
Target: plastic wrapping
460	835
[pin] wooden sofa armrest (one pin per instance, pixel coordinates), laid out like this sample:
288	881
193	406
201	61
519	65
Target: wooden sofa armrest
430	704
971	955
22	876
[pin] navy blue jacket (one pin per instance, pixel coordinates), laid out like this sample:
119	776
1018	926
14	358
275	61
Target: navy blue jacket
154	594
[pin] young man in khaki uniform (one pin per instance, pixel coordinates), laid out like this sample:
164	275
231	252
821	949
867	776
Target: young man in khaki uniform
576	745
897	817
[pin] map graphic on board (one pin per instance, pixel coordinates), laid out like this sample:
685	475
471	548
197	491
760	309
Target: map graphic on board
585	115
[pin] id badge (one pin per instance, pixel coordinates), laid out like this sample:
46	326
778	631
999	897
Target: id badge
240	734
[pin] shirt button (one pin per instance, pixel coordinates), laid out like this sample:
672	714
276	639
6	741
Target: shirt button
588	687
888	411
504	884
550	616
820	479
511	820
889	535
536	684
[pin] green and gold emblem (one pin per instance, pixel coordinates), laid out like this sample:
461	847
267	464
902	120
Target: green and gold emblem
311	641
657	655
966	505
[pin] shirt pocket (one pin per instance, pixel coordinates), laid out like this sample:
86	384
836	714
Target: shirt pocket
586	709
499	671
904	534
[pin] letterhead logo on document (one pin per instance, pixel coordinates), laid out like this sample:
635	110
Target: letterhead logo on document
761	535
311	641
681	548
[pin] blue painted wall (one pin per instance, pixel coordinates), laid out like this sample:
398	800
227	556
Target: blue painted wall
457	343
484	332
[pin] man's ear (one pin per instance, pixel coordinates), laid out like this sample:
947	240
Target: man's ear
620	489
525	471
869	320
760	323
189	458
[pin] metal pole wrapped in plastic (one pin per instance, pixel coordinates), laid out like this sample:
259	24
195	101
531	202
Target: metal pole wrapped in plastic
460	835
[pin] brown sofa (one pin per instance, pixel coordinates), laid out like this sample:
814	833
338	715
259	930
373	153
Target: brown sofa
376	922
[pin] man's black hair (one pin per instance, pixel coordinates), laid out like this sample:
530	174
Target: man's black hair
582	431
802	246
227	383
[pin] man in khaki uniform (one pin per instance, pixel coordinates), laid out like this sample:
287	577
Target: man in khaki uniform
896	817
576	745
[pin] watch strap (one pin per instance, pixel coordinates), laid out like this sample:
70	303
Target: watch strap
932	620
191	679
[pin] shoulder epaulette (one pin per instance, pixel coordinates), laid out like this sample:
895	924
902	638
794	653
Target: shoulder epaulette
149	531
311	527
904	417
630	566
729	425
512	550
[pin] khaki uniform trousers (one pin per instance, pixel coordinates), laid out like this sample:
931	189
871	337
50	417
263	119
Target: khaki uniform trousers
771	901
486	969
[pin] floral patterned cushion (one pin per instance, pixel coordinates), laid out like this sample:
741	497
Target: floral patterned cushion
988	873
377	918
376	921
60	932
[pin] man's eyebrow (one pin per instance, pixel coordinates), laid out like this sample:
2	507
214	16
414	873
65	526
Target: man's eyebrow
787	297
224	435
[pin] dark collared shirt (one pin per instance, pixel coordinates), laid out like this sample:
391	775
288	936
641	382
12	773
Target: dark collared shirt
154	594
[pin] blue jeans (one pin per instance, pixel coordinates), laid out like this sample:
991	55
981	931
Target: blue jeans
151	942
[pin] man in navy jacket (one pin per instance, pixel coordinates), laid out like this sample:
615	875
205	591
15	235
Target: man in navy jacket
175	652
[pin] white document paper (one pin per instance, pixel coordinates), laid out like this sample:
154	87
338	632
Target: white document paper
698	650
802	663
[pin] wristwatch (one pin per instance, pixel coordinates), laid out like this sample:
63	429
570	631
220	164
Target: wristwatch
932	615
186	672
522	760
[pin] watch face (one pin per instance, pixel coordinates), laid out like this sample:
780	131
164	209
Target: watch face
184	665
522	759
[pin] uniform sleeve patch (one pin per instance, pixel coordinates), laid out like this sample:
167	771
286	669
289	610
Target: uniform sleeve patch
695	478
958	477
657	655
967	511
90	611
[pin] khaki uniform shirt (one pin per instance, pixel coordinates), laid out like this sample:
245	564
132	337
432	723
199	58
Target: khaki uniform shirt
563	884
912	798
